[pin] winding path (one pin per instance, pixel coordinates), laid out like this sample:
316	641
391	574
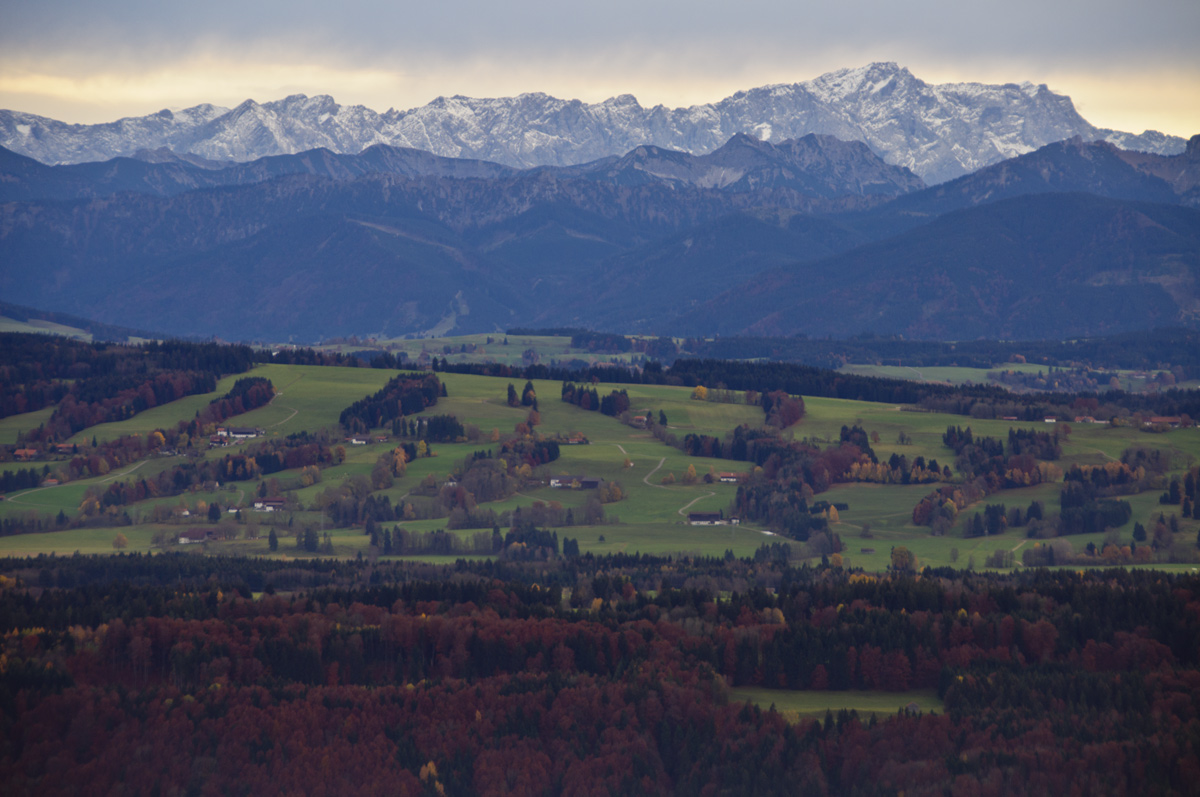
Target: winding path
683	509
16	499
295	411
646	478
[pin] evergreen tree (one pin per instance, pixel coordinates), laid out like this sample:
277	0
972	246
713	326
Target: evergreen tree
273	540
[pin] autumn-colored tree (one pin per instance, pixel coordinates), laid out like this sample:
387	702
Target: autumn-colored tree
381	472
700	393
120	542
903	560
690	476
399	461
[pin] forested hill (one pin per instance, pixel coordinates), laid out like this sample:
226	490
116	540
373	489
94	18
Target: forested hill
813	235
610	675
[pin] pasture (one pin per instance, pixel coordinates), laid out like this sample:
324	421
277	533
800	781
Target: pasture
652	516
484	347
795	704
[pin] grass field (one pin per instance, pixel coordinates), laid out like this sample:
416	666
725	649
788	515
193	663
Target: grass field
795	705
1131	381
652	516
14	425
506	349
38	326
953	375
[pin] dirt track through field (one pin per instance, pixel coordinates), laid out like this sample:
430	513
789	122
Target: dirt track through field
16	498
295	411
683	509
646	478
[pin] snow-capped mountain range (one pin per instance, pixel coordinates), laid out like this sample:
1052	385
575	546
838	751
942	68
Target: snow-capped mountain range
938	131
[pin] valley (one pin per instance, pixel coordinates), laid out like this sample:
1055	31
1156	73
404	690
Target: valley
649	517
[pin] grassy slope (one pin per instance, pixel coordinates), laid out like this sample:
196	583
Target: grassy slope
652	515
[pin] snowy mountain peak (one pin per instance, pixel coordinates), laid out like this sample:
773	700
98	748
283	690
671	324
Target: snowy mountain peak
938	131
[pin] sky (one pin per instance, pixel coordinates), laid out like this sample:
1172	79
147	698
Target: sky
1127	66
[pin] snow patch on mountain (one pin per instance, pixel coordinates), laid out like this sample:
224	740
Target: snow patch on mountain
938	131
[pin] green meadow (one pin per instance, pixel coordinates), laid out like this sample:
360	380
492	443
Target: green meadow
652	516
953	375
39	326
12	426
1131	381
502	348
795	704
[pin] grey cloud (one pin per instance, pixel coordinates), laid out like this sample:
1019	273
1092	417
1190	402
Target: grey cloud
1035	30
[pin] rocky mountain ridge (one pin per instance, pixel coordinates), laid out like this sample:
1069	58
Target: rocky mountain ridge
938	131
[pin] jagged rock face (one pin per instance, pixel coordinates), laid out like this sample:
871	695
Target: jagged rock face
938	131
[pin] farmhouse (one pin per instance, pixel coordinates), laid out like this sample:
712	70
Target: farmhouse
575	482
730	478
193	536
576	439
710	519
1172	421
269	504
242	432
25	454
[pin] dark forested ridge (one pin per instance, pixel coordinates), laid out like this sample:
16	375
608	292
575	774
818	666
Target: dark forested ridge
1030	267
1160	349
1073	239
589	675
